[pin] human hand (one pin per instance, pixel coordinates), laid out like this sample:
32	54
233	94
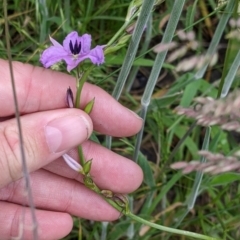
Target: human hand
50	130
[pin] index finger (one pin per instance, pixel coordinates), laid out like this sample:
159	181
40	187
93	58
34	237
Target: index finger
40	89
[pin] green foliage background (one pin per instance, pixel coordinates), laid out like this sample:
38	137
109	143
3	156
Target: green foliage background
202	204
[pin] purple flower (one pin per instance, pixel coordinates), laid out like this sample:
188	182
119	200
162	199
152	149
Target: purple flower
75	49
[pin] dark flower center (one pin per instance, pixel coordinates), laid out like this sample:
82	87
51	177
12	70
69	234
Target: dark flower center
76	48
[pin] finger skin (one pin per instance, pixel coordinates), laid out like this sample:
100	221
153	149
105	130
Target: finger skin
40	89
51	225
37	151
109	170
56	193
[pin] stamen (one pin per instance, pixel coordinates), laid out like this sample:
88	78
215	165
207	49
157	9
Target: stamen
71	46
76	49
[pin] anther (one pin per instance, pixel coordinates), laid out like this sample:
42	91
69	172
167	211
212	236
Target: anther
76	49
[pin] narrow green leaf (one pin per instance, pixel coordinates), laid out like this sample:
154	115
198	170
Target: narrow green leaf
191	13
147	171
189	93
158	63
231	75
225	178
94	138
147	7
164	101
165	189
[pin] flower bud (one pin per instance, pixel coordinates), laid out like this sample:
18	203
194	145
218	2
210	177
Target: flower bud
88	108
123	40
69	98
112	49
72	163
120	200
87	167
133	8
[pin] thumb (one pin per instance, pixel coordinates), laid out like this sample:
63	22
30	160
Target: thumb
46	135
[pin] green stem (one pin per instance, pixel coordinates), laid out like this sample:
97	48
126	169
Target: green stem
77	101
97	190
79	84
168	229
121	30
118	33
113	204
127	213
82	80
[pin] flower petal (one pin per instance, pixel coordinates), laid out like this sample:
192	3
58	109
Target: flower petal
96	55
72	36
71	62
86	40
52	55
72	65
54	42
72	163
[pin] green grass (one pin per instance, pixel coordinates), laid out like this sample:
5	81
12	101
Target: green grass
164	194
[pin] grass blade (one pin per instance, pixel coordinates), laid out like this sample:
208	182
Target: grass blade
167	38
133	46
231	75
216	38
198	179
145	46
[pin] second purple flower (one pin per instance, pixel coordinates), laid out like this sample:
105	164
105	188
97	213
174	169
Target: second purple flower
74	50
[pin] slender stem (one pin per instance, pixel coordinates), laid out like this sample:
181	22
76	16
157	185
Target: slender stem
97	190
118	33
121	30
168	229
79	90
80	80
127	213
25	169
79	86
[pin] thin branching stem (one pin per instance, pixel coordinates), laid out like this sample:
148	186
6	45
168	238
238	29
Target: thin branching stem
170	230
20	134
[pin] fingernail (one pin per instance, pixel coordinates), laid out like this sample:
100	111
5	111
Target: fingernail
67	132
135	115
